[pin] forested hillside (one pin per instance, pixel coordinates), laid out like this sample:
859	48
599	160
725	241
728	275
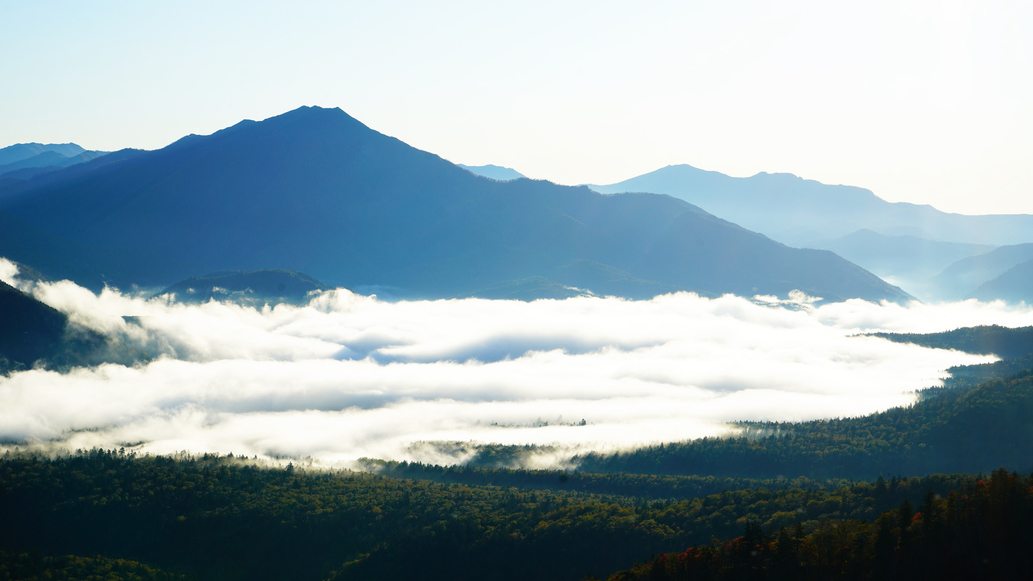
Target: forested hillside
982	419
217	517
958	431
33	566
979	532
1005	342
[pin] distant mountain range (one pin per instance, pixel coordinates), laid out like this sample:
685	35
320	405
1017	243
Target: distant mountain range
316	191
494	172
903	256
908	261
26	160
1013	285
805	212
965	275
22	151
907	244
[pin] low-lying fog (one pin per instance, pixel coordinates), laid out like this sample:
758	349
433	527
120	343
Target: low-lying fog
349	376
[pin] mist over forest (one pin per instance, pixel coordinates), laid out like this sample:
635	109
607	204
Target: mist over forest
347	376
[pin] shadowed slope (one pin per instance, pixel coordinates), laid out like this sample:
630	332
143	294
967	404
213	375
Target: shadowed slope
32	333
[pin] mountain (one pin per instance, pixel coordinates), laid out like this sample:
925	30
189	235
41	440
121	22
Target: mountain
46	161
494	172
908	261
805	212
33	334
316	191
251	288
30	330
896	256
58	258
960	279
21	151
1014	286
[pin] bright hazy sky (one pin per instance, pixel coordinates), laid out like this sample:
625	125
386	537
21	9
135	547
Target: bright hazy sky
926	102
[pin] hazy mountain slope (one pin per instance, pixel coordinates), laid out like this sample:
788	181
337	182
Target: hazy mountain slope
738	258
964	276
897	256
314	190
1014	286
50	159
97	166
802	212
494	172
45	159
59	258
907	261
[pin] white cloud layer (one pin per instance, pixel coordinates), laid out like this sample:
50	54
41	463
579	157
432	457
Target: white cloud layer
349	376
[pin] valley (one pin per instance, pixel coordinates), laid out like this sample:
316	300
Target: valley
301	337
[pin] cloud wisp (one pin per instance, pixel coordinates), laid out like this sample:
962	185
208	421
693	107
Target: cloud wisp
349	376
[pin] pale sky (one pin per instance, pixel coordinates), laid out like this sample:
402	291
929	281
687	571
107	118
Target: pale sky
925	102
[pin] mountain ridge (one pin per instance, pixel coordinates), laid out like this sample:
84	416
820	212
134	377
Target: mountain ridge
315	190
495	172
21	151
799	211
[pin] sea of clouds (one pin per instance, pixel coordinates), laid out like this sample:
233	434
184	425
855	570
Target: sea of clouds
349	376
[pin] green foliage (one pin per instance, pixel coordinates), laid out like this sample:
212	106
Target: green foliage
220	518
1005	342
978	532
614	485
967	376
35	567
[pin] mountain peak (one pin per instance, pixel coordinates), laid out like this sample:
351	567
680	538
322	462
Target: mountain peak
315	112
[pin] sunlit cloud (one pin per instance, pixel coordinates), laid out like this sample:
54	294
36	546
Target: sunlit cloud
349	376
